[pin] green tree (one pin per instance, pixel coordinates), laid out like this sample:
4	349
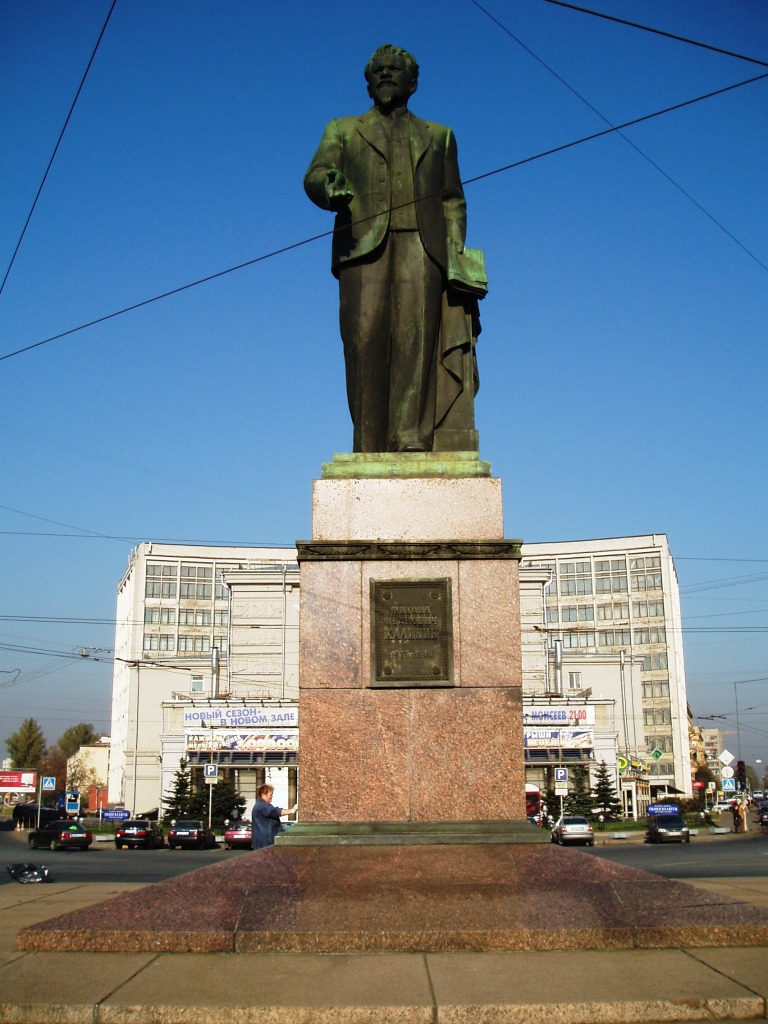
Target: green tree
226	803
76	736
26	746
579	799
606	799
177	803
54	763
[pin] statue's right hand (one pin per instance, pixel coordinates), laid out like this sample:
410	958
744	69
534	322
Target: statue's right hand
337	190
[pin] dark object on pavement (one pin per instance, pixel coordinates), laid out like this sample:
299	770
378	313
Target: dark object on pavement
26	873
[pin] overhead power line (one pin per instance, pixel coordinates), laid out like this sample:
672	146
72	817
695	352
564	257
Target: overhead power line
659	32
56	148
628	141
468	181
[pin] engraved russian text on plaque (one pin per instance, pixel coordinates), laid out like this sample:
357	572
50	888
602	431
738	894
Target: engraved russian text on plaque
411	633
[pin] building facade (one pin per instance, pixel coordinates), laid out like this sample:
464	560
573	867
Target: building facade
206	656
615	603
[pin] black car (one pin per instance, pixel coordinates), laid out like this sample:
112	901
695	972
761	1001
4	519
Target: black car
667	828
762	815
192	834
139	832
61	835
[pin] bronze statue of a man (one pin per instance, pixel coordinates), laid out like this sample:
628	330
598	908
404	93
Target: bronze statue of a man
408	295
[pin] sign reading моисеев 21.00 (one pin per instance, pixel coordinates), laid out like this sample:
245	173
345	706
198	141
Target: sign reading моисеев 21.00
236	718
577	714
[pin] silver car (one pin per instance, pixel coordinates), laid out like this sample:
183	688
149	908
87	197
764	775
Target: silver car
572	828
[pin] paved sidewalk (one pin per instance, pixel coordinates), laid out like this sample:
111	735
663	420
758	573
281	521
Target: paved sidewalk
567	987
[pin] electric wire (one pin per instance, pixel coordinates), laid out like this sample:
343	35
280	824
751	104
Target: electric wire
56	149
621	134
563	147
659	32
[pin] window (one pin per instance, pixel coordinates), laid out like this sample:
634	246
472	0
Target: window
648	562
161	580
616	610
613	638
574	680
222	592
662	743
161	642
194	644
651	635
579	639
611	576
552	615
197	684
194	616
575	578
657	716
656	688
196	591
648	609
655	662
220	618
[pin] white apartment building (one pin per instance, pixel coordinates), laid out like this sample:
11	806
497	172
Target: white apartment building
206	668
611	624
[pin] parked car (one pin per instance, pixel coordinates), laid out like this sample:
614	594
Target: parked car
139	832
61	835
572	828
762	815
667	828
193	834
238	834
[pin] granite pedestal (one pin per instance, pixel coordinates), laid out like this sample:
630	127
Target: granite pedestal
397	730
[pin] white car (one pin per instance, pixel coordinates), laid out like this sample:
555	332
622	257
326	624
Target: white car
573	828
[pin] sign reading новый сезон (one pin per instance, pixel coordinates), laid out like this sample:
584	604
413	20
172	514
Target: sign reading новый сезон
237	718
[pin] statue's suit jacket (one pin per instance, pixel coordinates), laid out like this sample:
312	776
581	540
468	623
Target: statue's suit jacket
357	146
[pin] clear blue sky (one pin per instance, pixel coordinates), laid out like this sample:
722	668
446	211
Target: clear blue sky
623	353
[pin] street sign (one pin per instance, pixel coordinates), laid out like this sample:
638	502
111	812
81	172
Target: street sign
211	773
656	754
49	783
561	775
727	772
115	814
729	785
726	757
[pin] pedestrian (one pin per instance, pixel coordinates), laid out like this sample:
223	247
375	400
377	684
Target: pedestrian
744	824
266	818
736	816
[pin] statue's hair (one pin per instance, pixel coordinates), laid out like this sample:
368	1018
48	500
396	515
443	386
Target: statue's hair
387	48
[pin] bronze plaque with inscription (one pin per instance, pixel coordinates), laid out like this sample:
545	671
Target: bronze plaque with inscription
411	633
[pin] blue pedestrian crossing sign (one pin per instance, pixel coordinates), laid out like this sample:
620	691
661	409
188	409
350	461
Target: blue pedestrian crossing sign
729	785
49	783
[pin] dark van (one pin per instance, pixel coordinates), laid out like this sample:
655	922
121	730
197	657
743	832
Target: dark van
26	815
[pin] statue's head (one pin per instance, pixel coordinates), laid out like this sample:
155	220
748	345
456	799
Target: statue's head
392	75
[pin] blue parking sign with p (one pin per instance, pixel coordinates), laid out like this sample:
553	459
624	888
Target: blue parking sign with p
561	774
210	771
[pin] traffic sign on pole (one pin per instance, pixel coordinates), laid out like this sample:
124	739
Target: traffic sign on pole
49	784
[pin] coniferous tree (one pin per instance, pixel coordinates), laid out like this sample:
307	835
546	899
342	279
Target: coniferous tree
178	802
606	801
26	746
579	799
76	736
